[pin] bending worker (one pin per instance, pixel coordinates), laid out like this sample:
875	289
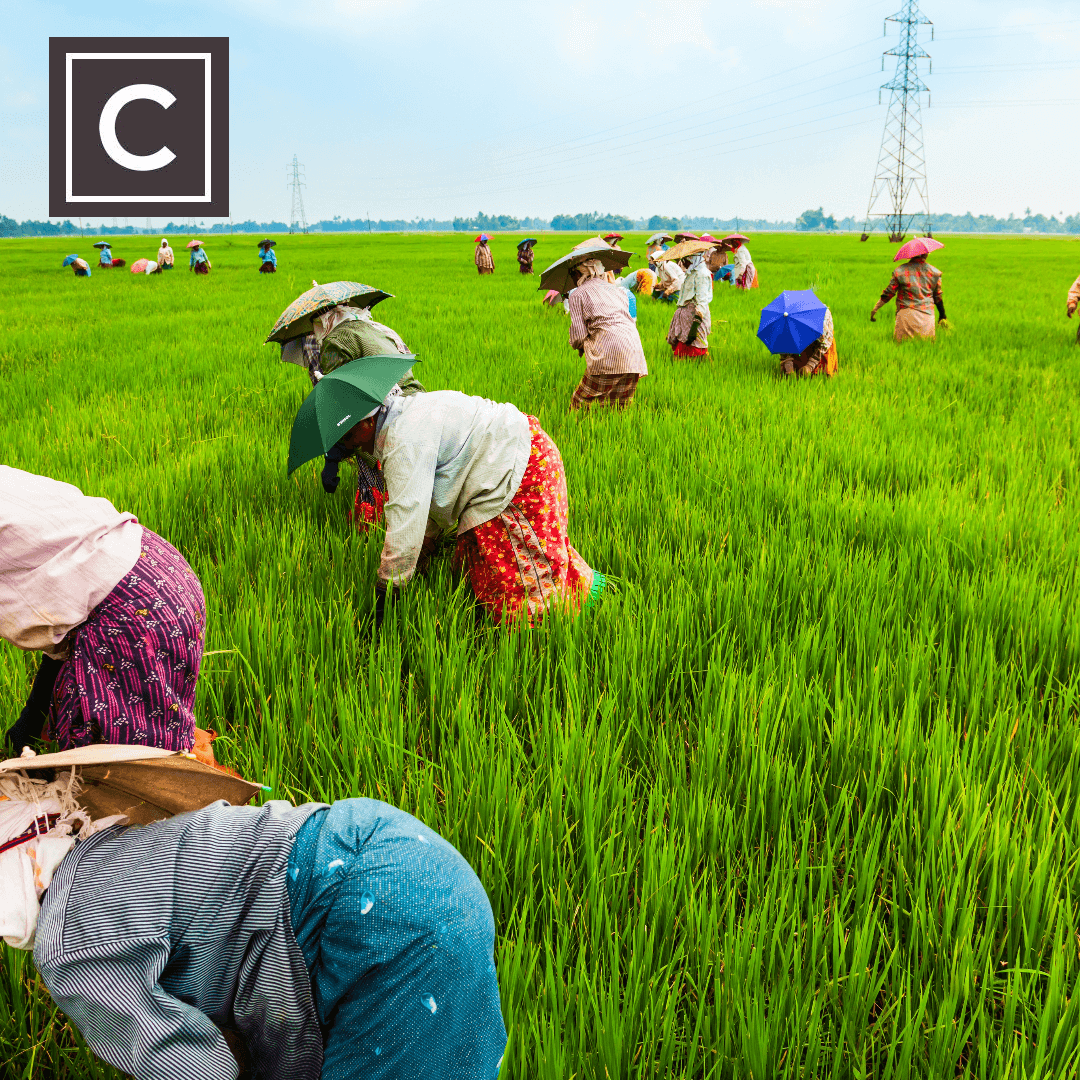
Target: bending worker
284	942
448	458
115	610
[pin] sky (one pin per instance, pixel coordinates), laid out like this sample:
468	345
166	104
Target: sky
762	109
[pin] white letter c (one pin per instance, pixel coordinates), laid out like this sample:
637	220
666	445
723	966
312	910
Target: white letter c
107	127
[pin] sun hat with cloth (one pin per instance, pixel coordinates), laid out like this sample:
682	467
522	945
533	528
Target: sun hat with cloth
194	243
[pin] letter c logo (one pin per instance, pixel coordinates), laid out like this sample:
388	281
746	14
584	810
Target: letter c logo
107	127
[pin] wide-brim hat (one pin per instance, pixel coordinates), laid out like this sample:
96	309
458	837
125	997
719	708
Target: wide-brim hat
103	243
683	250
558	277
921	245
194	243
145	783
267	243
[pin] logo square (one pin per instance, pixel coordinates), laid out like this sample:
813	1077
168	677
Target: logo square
139	127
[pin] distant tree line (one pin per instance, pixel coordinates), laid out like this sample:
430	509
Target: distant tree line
808	221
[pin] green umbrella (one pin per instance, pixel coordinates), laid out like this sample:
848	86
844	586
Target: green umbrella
296	318
340	400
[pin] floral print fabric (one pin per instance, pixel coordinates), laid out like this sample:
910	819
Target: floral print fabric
521	562
134	663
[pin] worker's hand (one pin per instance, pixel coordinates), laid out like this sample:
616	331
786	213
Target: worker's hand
873	315
1070	309
944	324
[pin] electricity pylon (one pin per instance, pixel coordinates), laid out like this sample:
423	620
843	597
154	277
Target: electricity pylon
901	168
297	218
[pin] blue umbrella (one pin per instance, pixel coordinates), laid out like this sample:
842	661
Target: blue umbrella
792	321
69	260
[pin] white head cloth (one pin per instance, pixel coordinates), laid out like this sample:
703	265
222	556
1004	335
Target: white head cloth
590	268
395	392
328	320
164	242
49	815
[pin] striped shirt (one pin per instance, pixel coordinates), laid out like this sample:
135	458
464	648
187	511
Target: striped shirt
600	323
152	938
915	285
484	258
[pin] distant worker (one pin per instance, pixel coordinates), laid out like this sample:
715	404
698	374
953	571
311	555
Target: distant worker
199	262
485	263
656	245
105	256
525	254
917	288
1071	304
744	272
688	334
80	267
165	255
603	331
269	259
612	239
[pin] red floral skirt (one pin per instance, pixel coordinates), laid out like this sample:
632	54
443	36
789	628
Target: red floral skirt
521	562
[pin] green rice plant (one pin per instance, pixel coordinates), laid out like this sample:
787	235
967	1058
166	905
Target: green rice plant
798	798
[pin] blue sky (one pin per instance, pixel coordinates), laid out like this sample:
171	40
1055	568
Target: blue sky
408	108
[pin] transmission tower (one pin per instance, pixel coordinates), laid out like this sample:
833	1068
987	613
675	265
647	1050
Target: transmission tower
297	218
901	168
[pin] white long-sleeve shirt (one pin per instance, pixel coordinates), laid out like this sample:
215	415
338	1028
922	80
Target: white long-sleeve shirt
741	258
61	553
697	288
446	457
669	273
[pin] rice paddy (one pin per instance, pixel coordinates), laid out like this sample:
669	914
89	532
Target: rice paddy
798	798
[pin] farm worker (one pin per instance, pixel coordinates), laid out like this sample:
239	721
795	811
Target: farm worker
688	333
818	358
917	288
105	257
612	239
165	255
525	254
744	273
199	262
80	266
448	458
115	610
1072	302
307	942
485	263
268	264
669	280
344	335
638	281
602	329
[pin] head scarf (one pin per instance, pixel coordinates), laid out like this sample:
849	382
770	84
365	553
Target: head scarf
39	821
590	268
164	242
328	321
384	408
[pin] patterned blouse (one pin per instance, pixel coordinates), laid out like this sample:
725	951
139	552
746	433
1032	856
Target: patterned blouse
915	285
525	257
483	257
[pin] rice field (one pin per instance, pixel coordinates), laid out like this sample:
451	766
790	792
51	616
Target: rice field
799	798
